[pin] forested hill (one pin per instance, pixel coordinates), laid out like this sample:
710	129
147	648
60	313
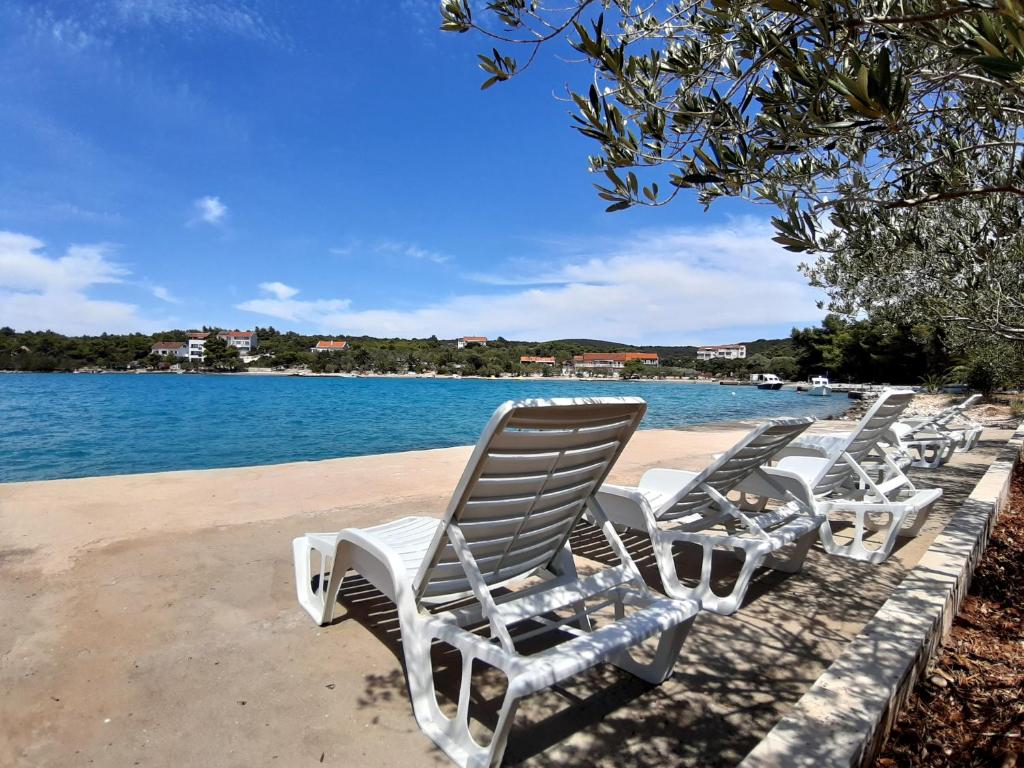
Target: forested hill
846	351
49	351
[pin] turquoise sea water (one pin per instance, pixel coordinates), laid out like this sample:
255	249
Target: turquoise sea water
62	425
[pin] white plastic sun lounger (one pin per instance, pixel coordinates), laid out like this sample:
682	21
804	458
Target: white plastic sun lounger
932	440
925	442
836	482
530	478
672	505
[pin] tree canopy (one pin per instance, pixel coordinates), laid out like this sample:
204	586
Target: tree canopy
873	125
897	102
958	263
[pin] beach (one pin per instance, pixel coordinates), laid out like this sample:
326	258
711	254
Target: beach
151	620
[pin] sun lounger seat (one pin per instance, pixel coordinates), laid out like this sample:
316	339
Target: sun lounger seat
852	474
498	569
675	506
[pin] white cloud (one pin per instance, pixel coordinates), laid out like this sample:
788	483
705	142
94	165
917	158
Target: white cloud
38	292
279	290
209	209
282	305
163	294
658	286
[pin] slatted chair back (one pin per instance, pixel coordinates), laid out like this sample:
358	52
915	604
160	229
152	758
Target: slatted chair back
956	411
881	416
735	465
537	464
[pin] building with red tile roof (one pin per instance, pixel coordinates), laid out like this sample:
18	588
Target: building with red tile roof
612	359
327	345
170	349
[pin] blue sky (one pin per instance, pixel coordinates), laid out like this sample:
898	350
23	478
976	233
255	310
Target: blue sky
335	167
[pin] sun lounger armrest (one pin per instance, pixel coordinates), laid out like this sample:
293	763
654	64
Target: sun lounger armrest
668	481
625	506
377	563
778	484
821	446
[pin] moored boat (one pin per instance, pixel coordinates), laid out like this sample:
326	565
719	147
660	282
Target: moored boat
767	381
820	387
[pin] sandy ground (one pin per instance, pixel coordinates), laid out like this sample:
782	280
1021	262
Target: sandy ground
151	620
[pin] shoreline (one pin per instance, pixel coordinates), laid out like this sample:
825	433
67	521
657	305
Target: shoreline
110	508
727	425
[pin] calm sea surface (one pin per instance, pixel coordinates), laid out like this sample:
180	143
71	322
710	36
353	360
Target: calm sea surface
62	425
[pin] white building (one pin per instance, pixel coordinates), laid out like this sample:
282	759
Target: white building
326	345
612	359
196	346
170	349
481	340
244	341
728	351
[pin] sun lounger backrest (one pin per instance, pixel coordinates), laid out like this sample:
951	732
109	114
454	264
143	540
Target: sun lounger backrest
877	421
736	464
537	464
955	411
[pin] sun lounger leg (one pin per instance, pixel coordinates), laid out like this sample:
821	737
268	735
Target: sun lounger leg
793	561
709	599
319	603
856	549
929	454
660	667
910	525
452	735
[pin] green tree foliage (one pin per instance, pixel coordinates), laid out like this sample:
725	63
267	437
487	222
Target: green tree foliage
633	369
990	365
896	102
870	125
959	263
218	355
49	351
869	352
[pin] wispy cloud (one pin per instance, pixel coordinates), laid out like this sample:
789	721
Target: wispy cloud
412	251
208	209
40	292
192	17
673	285
400	248
86	24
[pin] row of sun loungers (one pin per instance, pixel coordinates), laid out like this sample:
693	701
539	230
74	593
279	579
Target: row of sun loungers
498	569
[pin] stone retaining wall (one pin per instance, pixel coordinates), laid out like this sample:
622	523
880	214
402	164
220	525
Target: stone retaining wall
847	714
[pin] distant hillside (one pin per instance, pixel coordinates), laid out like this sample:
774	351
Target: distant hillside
768	347
592	345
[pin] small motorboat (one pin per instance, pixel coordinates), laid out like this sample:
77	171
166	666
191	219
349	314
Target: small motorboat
820	387
768	381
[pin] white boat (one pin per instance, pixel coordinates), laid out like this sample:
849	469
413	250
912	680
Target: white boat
820	387
767	381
